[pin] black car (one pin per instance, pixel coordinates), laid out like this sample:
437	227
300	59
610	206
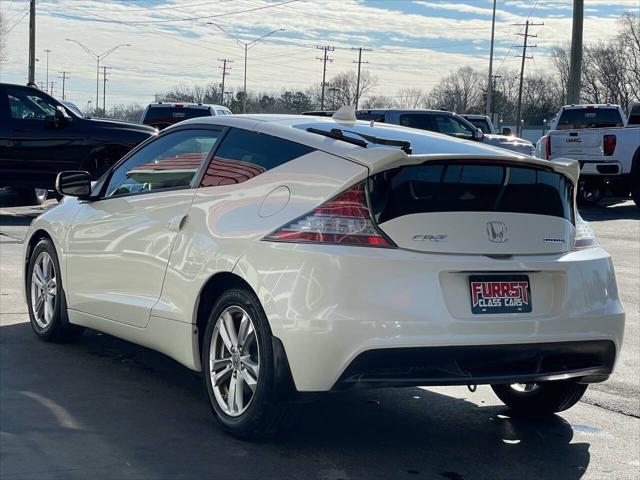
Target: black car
40	136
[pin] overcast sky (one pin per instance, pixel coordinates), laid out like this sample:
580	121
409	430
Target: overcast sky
415	43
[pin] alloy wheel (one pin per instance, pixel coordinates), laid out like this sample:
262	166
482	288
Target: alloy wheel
525	387
234	361
43	289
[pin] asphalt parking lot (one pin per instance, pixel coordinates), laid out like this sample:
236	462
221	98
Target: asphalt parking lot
103	408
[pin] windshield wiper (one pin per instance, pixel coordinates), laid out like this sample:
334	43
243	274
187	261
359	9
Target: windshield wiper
338	134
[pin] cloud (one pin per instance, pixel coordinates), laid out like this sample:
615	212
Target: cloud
412	46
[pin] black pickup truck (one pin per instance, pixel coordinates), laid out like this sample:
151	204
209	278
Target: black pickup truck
40	136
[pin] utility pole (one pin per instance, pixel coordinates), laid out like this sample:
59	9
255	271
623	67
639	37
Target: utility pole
324	61
575	66
224	74
47	51
104	89
493	90
526	35
490	83
359	62
64	77
32	41
51	90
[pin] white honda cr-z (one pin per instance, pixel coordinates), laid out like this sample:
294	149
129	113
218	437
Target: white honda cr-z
287	254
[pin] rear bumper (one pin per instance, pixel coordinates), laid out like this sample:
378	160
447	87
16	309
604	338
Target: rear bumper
600	168
590	361
332	306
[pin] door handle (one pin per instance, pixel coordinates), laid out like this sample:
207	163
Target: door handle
176	223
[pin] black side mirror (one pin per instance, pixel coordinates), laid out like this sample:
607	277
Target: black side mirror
60	119
74	184
506	131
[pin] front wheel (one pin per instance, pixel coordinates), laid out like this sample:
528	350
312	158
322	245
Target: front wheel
239	368
46	303
543	398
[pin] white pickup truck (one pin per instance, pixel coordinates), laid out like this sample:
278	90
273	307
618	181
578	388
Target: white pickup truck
607	147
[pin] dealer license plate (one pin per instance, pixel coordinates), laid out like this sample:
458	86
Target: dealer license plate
500	294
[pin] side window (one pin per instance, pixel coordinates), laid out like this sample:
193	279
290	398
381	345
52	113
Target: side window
423	121
244	155
452	126
171	161
29	104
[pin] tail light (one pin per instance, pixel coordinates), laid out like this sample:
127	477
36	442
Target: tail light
547	147
585	236
344	220
609	145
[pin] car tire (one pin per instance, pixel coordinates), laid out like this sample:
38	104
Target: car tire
240	359
45	296
540	398
591	191
33	196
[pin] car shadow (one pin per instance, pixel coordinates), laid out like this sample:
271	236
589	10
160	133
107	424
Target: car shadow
610	209
105	408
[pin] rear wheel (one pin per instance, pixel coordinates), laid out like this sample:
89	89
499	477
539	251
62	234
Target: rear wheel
46	303
239	368
540	398
591	190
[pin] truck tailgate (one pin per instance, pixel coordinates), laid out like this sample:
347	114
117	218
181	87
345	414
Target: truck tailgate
582	144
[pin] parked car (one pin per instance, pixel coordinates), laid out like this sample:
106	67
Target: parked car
448	123
40	137
607	147
283	254
162	115
73	107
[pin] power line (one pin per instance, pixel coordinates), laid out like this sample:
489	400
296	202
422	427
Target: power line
324	59
199	17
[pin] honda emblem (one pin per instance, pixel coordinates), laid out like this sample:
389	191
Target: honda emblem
497	232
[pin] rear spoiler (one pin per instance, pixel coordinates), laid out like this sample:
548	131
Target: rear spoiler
381	159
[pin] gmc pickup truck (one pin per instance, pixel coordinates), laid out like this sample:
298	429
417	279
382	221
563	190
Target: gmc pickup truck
607	147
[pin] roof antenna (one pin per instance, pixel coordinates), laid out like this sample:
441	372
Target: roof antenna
345	114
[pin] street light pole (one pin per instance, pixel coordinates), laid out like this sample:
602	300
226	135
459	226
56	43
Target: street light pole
98	58
246	46
47	51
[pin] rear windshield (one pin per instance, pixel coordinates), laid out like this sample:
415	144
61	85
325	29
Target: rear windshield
469	187
480	123
173	115
589	118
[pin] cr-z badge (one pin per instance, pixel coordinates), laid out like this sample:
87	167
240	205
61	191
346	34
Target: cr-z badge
431	238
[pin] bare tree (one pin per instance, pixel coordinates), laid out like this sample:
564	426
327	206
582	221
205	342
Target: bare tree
341	89
462	91
629	38
377	101
411	98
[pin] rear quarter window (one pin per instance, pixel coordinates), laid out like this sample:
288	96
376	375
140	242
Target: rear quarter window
243	155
